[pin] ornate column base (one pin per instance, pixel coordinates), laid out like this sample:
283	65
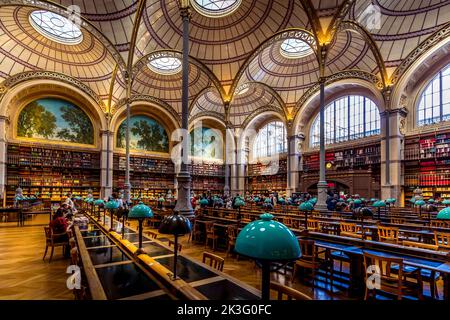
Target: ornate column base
322	188
183	205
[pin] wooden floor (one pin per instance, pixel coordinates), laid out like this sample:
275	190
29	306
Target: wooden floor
23	273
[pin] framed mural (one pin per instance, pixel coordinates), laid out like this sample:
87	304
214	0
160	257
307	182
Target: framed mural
146	134
54	119
207	143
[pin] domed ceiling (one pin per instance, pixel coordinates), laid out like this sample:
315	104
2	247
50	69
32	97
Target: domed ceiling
239	49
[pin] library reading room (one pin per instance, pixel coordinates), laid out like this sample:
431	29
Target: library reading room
225	150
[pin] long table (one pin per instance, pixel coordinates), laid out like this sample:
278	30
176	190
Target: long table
116	268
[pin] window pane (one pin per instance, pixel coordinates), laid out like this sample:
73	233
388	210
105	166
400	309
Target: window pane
271	140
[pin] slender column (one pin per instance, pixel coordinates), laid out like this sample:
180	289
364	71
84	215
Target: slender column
234	168
106	163
293	162
3	124
183	205
127	156
391	154
322	185
242	161
229	136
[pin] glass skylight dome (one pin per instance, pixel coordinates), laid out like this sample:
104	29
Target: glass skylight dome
295	48
215	8
165	65
56	27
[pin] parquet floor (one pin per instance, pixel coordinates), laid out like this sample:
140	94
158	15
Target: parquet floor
23	273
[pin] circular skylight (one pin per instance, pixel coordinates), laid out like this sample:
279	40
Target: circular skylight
215	8
165	65
295	48
56	27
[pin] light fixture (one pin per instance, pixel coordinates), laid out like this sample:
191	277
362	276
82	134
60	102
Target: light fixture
176	225
140	212
379	205
111	205
444	214
267	241
306	207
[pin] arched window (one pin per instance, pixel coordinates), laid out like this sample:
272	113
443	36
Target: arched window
347	118
271	140
434	103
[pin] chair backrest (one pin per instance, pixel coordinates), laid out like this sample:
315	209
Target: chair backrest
336	215
209	227
172	243
308	249
349	227
48	232
232	232
398	220
213	260
439	224
287	221
388	234
291	294
442	239
313	224
384	265
420	245
152	234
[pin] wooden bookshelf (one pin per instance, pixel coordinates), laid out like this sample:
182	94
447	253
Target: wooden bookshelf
427	165
51	172
261	179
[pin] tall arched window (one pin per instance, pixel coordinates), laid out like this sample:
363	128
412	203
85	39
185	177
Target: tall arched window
347	118
434	103
271	140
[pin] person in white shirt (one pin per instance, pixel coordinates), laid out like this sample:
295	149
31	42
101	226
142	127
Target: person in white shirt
70	204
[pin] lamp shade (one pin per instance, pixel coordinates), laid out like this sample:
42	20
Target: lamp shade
379	204
282	200
306	206
239	202
267	200
446	202
412	200
140	211
444	214
175	224
349	200
161	199
112	205
313	201
431	201
419	203
99	202
373	200
204	202
269	240
255	199
391	200
357	201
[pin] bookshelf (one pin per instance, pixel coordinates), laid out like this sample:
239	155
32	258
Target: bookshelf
51	172
427	165
261	179
207	177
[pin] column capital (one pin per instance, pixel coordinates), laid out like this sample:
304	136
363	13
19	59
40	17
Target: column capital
106	132
185	12
299	136
403	112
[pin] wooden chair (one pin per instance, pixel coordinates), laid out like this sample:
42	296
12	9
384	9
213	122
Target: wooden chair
290	293
172	244
214	261
313	225
232	235
311	260
196	232
152	234
439	224
245	218
54	240
429	276
388	234
398	220
390	282
442	240
350	230
336	216
211	234
287	221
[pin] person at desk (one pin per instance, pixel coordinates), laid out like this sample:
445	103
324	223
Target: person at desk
70	204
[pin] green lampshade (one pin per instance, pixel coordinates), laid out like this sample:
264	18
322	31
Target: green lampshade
282	200
204	202
269	240
289	199
373	200
161	199
446	202
431	201
99	202
239	202
313	201
419	203
357	201
444	214
379	204
112	205
268	200
140	211
256	199
412	200
90	200
306	206
391	200
349	200
363	199
78	198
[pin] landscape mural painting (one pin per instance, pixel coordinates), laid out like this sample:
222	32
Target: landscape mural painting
56	120
146	134
207	143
